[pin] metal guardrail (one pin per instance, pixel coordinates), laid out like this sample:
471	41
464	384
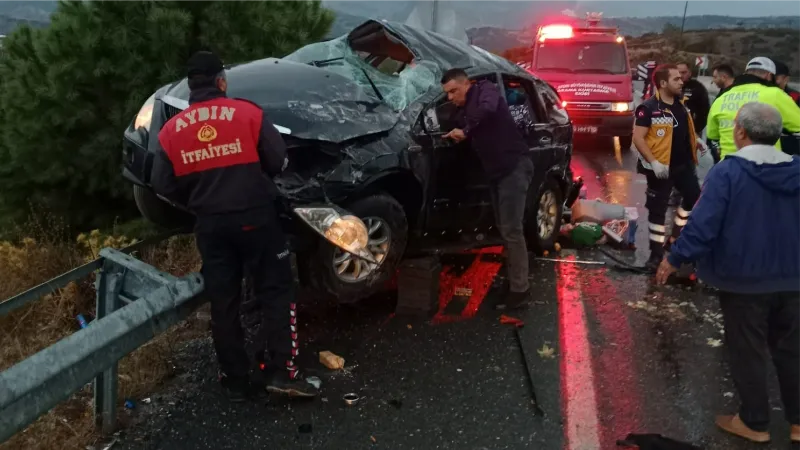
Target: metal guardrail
135	302
48	287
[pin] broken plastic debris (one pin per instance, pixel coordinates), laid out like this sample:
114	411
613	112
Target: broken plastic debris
314	381
129	404
331	360
372	438
146	401
714	342
728	394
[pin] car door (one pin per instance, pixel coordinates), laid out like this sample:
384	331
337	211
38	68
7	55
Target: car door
532	122
458	199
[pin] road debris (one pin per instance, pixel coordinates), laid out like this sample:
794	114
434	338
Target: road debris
572	261
546	352
314	381
372	438
509	320
146	401
714	342
331	360
728	395
463	292
351	399
129	404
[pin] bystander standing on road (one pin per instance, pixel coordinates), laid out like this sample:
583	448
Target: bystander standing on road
790	142
488	125
232	194
664	135
754	85
744	236
722	76
695	97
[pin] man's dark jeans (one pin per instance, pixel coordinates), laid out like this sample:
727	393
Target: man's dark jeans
253	244
759	327
509	195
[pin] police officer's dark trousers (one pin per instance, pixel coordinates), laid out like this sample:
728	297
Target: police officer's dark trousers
684	180
249	243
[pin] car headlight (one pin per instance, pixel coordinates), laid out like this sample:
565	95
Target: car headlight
622	107
145	114
343	230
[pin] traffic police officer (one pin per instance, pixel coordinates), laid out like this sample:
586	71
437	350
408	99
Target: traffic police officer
665	136
755	85
218	158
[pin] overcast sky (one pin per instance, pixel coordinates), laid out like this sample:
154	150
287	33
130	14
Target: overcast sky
644	8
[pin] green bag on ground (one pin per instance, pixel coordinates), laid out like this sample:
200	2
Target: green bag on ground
586	233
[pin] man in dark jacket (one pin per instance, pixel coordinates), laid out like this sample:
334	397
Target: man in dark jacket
695	97
744	235
790	143
217	158
488	125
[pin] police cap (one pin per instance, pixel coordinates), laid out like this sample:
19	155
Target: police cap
204	64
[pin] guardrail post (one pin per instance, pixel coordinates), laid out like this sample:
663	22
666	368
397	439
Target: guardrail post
105	384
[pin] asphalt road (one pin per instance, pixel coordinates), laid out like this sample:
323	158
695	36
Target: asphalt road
626	358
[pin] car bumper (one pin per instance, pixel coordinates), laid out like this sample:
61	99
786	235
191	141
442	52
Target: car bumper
601	125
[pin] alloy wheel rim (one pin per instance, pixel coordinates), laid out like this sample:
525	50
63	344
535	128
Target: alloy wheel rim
353	270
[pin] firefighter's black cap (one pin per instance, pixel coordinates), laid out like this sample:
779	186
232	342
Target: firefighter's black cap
204	63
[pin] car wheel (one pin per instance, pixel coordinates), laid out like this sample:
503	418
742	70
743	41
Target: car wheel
543	219
158	211
347	279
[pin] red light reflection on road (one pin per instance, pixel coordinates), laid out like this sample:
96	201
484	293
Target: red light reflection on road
478	277
579	402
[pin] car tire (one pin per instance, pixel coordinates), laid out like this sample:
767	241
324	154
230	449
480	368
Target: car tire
541	238
322	271
158	211
625	142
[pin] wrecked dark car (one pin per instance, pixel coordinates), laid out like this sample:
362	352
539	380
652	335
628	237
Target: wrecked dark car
363	117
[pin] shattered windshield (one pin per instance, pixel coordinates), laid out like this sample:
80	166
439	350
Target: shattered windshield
399	84
581	57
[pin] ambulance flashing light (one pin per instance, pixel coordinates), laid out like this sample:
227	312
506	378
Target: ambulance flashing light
556	32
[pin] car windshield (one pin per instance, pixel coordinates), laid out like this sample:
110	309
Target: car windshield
397	83
581	57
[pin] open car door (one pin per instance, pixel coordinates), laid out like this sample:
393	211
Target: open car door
458	199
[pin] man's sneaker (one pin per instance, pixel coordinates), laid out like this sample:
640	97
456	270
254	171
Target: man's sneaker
513	300
238	389
296	385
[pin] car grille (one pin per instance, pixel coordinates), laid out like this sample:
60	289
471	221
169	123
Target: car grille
589	106
170	111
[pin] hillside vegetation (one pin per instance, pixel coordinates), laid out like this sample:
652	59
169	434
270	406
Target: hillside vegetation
735	47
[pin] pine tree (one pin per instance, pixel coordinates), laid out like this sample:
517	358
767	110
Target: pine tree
70	90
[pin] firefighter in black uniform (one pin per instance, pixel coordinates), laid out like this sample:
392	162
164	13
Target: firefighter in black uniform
218	157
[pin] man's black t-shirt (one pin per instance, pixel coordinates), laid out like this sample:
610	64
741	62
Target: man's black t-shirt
680	154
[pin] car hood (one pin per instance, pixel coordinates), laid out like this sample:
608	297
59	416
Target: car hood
303	101
590	87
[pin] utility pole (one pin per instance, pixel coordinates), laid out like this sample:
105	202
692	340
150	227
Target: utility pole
435	17
683	23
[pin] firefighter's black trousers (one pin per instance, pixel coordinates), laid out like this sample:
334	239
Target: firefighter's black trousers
249	243
761	329
684	180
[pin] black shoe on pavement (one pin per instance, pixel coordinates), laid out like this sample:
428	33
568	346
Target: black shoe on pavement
653	262
239	389
513	300
281	382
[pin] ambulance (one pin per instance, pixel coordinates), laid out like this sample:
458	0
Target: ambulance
589	67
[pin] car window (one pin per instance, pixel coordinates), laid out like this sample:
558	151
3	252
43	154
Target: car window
442	115
552	103
520	101
399	86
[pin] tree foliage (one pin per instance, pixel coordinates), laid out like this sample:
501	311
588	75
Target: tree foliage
68	91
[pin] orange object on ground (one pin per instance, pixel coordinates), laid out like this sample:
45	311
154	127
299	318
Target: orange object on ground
508	320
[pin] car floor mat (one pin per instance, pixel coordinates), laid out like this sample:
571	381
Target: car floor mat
654	442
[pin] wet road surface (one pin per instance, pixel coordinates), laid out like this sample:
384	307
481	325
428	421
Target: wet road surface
608	355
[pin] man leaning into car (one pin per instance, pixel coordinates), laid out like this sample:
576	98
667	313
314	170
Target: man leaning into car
488	125
218	158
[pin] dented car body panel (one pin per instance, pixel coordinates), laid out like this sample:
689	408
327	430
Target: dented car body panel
353	113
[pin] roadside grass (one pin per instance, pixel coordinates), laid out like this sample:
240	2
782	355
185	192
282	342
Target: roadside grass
46	252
